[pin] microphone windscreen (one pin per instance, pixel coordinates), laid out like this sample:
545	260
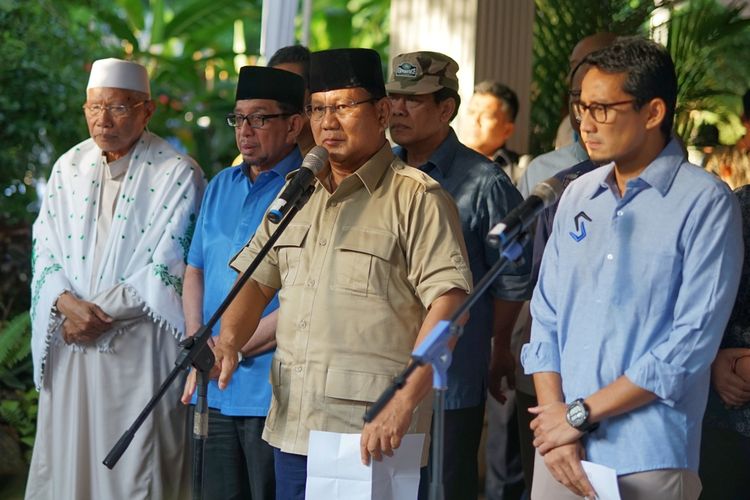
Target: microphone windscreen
548	191
316	159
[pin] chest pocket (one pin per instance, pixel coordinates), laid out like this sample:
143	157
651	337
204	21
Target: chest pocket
362	261
289	249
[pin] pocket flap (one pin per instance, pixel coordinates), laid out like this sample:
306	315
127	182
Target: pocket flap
355	386
293	236
370	241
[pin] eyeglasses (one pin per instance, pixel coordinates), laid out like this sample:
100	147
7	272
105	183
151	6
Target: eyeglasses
342	109
597	110
116	110
256	120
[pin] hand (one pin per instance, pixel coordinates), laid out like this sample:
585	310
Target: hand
84	321
551	428
732	388
383	435
502	364
225	364
192	380
564	463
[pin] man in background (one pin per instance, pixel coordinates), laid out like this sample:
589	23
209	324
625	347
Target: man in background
490	119
423	91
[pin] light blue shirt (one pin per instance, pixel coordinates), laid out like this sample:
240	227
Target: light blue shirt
233	207
640	286
545	166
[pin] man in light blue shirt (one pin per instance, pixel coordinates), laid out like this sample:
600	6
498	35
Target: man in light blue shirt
267	120
635	288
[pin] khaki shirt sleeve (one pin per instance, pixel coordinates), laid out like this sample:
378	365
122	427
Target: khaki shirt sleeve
436	251
267	273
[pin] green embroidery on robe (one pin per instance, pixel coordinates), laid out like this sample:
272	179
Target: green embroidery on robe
53	268
186	238
162	272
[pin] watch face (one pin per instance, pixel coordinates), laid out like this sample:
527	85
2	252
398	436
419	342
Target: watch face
576	415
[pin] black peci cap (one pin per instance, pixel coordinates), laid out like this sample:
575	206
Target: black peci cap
346	68
258	82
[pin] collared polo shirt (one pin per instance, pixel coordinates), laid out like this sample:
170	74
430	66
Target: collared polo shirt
640	285
484	195
356	269
232	208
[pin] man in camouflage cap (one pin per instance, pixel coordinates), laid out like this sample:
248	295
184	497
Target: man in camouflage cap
424	97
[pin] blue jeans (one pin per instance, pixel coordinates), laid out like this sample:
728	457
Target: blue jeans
238	463
291	475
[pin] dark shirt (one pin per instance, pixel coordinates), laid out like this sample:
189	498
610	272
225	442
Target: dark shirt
484	195
737	334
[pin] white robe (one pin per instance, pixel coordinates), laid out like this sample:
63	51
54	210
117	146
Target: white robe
90	394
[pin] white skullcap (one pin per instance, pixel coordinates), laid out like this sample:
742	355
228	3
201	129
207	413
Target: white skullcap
119	74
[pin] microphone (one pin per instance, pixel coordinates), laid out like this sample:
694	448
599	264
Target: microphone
313	163
520	218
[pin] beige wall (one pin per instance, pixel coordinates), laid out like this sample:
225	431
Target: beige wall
490	39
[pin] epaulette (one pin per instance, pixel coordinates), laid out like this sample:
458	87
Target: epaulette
402	169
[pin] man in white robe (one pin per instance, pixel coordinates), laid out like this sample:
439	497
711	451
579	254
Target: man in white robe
108	259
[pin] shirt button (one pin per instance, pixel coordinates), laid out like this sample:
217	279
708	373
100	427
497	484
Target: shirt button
298	369
323	242
610	256
311	283
619	213
303	324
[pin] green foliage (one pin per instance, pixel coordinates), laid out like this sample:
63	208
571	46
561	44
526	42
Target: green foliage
18	397
708	43
559	25
42	80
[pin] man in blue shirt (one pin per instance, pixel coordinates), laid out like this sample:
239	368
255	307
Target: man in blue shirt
424	96
636	285
267	120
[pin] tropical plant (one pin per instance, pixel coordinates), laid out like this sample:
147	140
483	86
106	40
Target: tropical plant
708	42
18	398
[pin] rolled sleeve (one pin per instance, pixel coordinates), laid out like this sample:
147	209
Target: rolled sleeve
540	357
711	269
663	379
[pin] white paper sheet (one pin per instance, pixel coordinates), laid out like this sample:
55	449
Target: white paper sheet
335	471
603	479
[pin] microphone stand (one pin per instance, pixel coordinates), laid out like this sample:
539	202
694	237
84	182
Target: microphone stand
435	351
196	352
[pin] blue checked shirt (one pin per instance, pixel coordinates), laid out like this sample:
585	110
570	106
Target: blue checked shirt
640	286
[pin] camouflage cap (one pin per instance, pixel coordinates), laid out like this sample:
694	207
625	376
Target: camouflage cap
423	72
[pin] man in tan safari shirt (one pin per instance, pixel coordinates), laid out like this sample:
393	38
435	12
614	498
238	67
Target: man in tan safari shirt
365	270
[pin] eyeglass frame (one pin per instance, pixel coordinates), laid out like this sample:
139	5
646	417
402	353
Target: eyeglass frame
254	116
336	109
123	109
578	115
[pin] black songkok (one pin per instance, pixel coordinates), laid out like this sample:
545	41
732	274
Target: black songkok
346	68
258	82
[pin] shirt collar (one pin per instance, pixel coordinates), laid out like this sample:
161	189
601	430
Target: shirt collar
441	158
373	169
659	174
